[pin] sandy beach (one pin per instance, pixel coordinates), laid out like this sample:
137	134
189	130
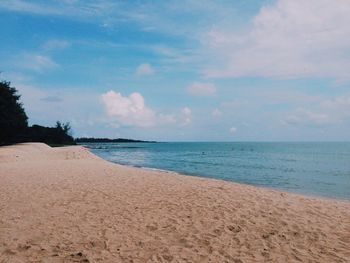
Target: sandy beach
67	205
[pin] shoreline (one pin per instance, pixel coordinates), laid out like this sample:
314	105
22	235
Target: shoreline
301	194
69	205
312	170
275	189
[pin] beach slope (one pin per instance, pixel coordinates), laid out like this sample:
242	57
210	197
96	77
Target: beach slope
67	205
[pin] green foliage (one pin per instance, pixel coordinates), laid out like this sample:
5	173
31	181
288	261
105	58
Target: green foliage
51	135
64	127
13	119
14	123
106	140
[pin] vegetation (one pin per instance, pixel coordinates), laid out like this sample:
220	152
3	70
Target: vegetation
54	136
14	123
13	119
105	140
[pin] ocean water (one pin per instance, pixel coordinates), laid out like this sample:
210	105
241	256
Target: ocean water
321	169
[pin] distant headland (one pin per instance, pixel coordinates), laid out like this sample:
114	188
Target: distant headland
107	140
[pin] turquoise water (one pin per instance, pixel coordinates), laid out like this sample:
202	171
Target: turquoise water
321	169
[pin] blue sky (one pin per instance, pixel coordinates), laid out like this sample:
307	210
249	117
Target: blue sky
261	70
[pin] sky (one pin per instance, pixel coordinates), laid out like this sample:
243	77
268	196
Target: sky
188	70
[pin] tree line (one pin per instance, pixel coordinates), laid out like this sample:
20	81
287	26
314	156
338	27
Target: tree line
107	140
14	126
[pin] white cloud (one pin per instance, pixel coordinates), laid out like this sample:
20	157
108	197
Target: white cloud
233	130
23	6
69	8
321	111
144	69
166	118
339	102
132	111
307	117
129	110
186	111
201	89
290	38
35	62
186	116
216	113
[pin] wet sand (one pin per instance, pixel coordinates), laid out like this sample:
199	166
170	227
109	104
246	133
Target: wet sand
67	205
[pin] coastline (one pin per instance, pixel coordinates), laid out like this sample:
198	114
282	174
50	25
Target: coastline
68	205
300	194
312	169
275	189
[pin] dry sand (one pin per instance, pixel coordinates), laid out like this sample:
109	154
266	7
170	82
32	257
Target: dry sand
67	205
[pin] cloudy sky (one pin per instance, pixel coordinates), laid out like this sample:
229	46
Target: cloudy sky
261	70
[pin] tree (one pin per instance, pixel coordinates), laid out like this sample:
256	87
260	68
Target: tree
14	123
53	136
65	127
13	119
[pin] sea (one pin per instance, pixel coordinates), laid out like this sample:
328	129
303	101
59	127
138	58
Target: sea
312	168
